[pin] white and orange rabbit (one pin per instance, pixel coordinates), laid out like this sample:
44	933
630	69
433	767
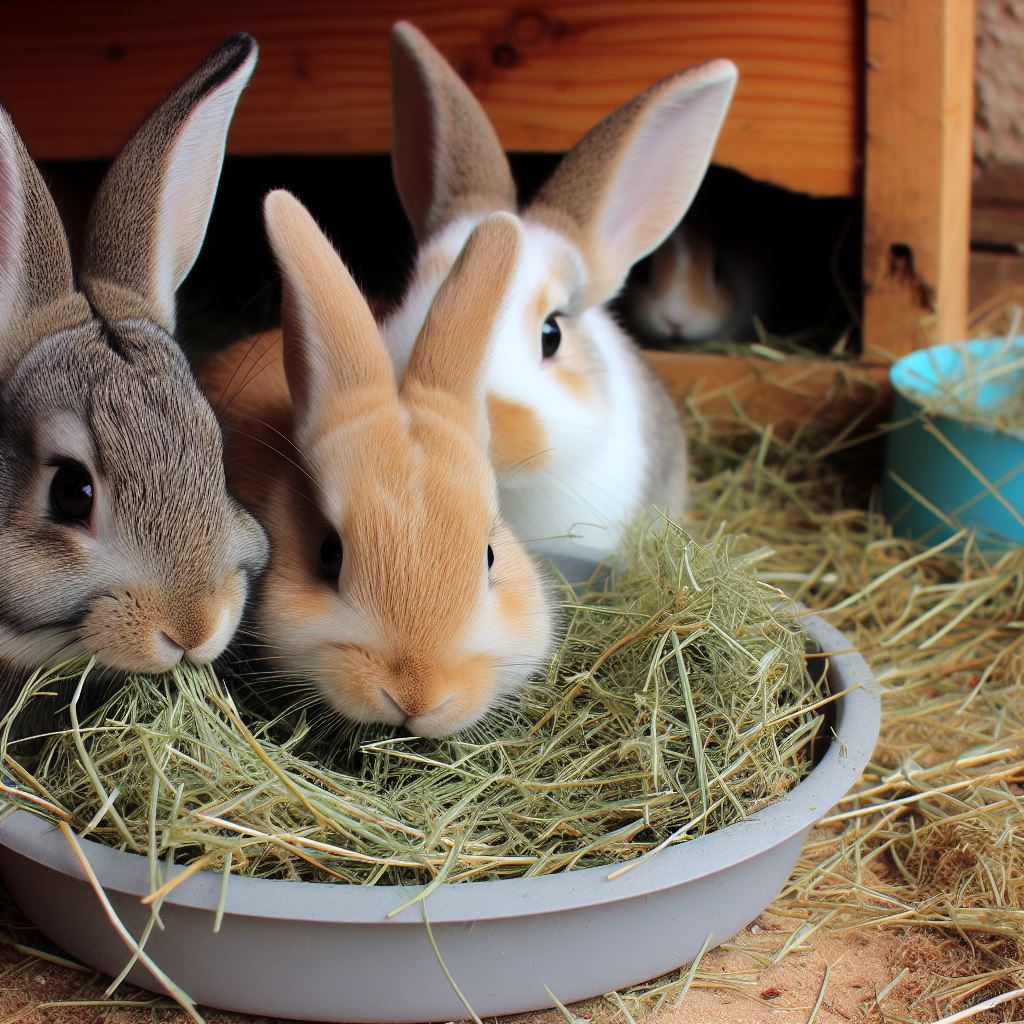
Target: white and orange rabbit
583	436
394	585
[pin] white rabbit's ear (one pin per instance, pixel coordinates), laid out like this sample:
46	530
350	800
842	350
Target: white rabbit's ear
627	183
35	264
452	348
152	209
445	153
334	356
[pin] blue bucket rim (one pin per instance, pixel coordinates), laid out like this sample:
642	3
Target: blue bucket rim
910	383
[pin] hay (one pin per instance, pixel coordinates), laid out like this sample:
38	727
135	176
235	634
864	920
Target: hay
929	848
932	843
678	703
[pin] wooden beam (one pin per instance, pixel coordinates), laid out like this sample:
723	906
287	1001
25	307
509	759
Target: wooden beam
785	394
78	76
917	187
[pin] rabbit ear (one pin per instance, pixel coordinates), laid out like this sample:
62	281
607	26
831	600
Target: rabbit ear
452	347
444	150
150	214
627	183
35	264
333	351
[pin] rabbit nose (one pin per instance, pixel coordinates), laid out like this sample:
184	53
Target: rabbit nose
201	642
412	705
168	651
675	327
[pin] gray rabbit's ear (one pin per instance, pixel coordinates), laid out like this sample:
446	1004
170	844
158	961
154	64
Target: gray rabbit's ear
152	209
36	284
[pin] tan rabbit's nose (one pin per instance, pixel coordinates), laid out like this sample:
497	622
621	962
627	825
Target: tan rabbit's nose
413	702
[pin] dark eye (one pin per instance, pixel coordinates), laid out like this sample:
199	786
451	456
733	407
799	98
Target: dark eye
718	270
330	556
71	493
550	337
490	557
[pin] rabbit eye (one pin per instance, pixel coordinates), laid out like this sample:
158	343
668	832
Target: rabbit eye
718	270
550	337
71	493
330	556
490	557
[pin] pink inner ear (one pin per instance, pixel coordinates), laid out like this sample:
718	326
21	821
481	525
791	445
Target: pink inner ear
659	177
189	185
417	116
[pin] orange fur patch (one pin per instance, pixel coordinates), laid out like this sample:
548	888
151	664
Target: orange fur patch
516	435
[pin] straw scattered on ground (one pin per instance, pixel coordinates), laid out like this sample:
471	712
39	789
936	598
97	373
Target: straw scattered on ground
931	846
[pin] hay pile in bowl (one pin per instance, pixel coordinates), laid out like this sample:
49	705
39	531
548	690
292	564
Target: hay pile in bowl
678	703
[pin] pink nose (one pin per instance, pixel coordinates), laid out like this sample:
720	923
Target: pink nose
412	705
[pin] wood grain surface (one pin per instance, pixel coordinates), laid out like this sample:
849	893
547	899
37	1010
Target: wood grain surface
784	394
78	76
917	190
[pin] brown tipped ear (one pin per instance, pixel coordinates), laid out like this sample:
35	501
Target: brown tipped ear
445	153
627	183
37	291
452	347
332	346
150	214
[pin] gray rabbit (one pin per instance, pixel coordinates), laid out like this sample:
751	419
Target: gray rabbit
118	537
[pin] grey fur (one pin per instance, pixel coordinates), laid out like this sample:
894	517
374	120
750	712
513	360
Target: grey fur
104	383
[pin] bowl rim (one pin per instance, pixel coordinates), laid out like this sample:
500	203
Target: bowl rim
856	727
911	386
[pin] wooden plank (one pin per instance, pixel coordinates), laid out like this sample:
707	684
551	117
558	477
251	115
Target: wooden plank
784	394
78	76
920	90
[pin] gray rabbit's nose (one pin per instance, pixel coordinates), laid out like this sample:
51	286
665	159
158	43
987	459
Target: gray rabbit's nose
168	652
200	646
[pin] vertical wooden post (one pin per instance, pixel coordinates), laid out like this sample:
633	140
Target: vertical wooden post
917	175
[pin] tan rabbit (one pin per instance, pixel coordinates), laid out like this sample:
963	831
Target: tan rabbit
394	584
583	434
118	537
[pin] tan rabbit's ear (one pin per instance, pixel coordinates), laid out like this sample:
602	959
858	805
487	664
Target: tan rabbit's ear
452	348
445	153
627	183
37	292
334	356
150	214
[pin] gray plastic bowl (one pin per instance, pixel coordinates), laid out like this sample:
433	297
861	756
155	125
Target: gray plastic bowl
318	951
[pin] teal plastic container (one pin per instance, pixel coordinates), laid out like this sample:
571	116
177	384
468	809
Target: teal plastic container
942	472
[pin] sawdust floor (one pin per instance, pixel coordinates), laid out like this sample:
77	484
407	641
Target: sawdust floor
861	964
